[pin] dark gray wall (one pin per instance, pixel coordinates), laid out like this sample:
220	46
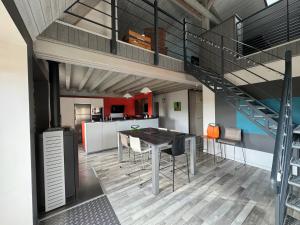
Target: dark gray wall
226	114
226	117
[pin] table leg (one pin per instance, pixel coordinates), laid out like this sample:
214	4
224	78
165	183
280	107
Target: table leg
193	155
120	148
155	170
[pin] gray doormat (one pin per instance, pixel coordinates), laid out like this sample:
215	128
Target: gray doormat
97	211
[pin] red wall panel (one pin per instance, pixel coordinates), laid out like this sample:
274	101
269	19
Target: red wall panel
128	103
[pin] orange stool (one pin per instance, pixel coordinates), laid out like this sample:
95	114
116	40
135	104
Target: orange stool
213	133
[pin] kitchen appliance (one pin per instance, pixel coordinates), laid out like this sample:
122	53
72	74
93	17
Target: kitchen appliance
82	112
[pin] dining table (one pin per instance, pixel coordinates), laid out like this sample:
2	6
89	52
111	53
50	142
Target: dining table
158	139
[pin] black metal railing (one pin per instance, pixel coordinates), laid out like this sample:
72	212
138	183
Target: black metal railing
144	17
283	145
218	53
274	25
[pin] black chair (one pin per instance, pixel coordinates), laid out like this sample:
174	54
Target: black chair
178	148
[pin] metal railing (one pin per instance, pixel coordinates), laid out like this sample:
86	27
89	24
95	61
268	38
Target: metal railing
143	17
274	25
283	145
218	53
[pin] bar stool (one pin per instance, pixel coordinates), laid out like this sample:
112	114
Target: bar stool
233	137
213	133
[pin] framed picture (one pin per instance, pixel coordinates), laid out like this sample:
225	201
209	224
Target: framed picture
177	106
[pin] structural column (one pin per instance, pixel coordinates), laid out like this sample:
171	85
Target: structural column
54	94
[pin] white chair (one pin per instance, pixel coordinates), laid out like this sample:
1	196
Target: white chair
137	147
125	143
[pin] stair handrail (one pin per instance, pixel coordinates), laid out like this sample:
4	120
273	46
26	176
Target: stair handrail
282	121
233	63
283	145
236	41
200	37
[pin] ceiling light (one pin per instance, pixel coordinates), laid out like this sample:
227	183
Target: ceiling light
145	90
127	95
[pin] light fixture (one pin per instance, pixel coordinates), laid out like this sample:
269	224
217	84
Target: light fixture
145	90
127	95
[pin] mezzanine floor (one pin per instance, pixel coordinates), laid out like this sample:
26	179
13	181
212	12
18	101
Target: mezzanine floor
216	194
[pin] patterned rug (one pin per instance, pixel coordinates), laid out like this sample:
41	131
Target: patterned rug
97	211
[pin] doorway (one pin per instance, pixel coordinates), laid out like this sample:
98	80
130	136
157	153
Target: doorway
195	112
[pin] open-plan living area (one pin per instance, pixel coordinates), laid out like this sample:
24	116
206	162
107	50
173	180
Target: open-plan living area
150	112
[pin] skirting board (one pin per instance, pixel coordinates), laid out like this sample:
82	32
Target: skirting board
253	157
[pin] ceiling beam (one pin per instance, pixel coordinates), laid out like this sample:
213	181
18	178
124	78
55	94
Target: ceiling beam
112	81
123	83
164	85
135	84
190	10
68	75
172	89
203	10
210	3
85	78
167	86
103	76
196	9
148	84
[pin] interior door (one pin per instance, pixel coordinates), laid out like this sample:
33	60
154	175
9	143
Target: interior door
82	112
196	113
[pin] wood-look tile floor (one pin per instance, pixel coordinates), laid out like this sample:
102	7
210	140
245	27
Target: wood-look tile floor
217	194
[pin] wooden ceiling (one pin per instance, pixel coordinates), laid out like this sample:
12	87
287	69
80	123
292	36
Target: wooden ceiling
83	81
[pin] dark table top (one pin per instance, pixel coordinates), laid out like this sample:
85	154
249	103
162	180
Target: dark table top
153	135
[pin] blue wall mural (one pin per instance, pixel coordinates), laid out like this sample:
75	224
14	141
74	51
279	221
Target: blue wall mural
249	127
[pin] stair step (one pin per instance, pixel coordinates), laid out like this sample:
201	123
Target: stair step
295	162
293	202
260	107
297	130
258	116
295	181
296	144
291	221
273	127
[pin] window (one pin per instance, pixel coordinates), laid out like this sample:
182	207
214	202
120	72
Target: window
271	2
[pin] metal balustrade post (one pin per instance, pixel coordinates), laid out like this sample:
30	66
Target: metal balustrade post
287	20
184	44
156	49
222	58
113	41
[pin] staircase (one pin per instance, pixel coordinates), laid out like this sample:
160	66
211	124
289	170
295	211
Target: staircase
279	125
256	111
293	198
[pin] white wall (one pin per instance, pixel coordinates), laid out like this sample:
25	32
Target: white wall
67	108
99	18
209	107
177	120
15	160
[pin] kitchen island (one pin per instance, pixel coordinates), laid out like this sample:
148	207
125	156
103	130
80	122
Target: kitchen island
99	136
